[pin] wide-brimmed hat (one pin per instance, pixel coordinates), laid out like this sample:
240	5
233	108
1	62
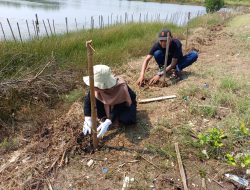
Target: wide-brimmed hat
103	78
163	35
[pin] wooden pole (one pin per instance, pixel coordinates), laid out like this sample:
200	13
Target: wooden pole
37	26
3	31
19	32
92	92
50	27
33	22
11	30
182	171
54	27
187	33
28	29
66	20
166	57
76	24
45	28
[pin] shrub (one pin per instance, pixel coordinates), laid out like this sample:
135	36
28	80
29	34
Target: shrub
213	5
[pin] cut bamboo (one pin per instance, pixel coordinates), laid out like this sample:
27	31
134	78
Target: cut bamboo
11	30
182	172
166	57
3	31
156	99
92	92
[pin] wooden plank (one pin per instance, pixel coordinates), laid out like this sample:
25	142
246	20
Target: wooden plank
156	99
182	172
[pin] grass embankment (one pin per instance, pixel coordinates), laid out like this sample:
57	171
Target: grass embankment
114	46
61	80
201	2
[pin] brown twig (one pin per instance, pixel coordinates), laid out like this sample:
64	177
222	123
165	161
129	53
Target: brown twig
151	163
218	183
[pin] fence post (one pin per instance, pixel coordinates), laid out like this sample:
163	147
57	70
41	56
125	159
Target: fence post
187	31
11	30
28	28
3	31
54	27
37	26
66	20
19	32
50	27
76	24
45	28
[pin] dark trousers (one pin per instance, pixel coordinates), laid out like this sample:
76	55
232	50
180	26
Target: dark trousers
184	62
125	114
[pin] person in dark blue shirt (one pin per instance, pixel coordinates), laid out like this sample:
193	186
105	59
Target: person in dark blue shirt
176	60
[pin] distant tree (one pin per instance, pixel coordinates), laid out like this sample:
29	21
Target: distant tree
213	5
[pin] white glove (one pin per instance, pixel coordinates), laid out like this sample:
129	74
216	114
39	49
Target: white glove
87	125
103	128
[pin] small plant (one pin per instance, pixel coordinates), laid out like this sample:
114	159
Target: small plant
212	141
230	160
212	138
240	159
213	5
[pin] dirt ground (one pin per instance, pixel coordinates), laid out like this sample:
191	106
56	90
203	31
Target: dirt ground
57	157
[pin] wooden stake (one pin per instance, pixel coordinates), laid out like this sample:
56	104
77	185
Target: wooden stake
54	27
66	20
37	26
19	32
182	172
28	28
76	24
92	92
11	30
33	22
187	33
166	58
50	27
45	28
156	99
3	31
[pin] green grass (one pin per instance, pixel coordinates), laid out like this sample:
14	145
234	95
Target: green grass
206	20
229	84
113	46
201	2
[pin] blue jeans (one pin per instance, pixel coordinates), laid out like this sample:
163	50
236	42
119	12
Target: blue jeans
182	63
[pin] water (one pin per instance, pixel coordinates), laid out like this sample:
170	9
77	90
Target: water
79	13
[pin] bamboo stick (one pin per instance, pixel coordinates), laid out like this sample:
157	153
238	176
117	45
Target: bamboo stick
28	28
50	27
187	33
66	20
92	92
54	27
45	28
156	99
3	31
11	29
182	172
166	57
19	32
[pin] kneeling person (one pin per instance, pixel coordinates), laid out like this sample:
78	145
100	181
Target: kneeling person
115	101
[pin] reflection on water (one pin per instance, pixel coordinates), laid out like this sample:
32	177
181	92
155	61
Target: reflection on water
80	12
42	4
